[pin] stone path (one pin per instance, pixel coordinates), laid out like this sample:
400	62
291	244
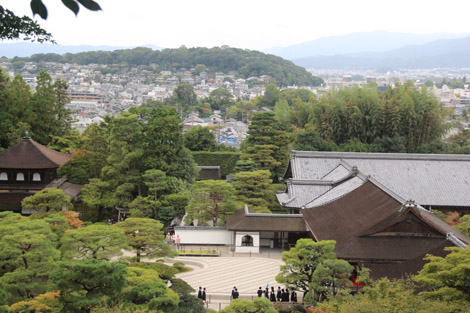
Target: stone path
220	274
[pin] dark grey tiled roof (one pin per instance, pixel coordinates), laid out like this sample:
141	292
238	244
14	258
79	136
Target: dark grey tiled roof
436	180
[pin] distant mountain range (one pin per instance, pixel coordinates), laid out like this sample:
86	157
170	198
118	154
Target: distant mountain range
380	49
450	53
376	41
27	49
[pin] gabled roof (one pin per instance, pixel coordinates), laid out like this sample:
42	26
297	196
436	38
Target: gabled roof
429	179
357	218
30	154
350	215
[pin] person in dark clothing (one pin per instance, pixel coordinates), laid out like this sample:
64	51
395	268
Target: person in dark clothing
204	295
235	293
283	295
266	293
293	296
199	293
260	292
273	295
279	294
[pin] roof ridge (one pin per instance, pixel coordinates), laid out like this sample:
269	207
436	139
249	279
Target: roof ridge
339	197
385	156
44	150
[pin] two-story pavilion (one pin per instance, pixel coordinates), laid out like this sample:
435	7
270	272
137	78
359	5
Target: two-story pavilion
27	168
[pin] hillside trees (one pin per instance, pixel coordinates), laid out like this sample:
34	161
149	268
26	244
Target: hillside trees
40	112
246	63
140	153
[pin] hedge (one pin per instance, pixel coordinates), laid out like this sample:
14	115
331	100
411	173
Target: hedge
226	160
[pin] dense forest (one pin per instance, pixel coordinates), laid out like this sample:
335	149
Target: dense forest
247	63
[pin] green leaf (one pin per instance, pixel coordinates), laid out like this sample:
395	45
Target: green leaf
72	5
90	5
39	8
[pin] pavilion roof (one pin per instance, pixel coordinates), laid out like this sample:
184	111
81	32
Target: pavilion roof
30	154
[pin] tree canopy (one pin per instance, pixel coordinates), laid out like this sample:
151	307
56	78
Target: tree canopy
247	63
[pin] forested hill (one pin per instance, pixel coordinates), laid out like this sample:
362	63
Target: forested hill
246	63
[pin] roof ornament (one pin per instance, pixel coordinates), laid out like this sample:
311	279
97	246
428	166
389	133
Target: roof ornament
456	241
26	135
409	204
354	170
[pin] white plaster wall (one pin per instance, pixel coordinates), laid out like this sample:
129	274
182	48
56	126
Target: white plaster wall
205	236
242	249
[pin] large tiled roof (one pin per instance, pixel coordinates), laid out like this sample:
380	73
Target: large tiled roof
429	179
30	154
357	222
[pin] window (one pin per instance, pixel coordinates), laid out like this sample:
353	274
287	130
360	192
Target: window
3	176
20	177
247	241
36	177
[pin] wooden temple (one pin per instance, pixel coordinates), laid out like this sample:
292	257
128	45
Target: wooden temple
27	168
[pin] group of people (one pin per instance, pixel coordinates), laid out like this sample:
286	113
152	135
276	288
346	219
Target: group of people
172	240
201	294
281	295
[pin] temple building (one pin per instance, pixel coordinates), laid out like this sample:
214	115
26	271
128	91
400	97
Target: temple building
378	207
27	168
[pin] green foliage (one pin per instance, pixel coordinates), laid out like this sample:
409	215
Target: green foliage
200	139
257	305
144	286
401	116
313	268
164	271
447	277
308	139
253	189
212	200
132	160
220	99
181	287
145	237
15	27
266	144
41	113
271	96
96	241
464	226
83	283
189	304
226	160
389	296
48	199
184	96
27	256
247	63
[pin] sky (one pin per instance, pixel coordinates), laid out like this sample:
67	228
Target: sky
248	24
